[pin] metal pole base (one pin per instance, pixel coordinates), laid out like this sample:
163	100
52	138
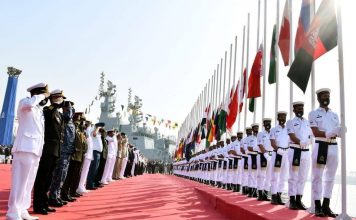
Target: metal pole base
343	216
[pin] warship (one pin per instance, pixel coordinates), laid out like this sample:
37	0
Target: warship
151	142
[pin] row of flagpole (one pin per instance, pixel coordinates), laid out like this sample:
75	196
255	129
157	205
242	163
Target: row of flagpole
216	92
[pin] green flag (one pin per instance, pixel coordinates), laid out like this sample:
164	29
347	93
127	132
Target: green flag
251	105
272	62
222	121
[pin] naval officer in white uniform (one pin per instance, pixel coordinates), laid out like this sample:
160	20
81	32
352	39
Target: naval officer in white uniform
27	151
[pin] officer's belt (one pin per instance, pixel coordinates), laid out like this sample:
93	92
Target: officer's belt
327	140
297	146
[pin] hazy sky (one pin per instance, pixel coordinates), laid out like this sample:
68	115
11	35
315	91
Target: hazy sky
165	50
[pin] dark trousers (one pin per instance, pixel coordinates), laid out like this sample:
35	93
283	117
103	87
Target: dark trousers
93	169
73	177
100	173
43	181
128	169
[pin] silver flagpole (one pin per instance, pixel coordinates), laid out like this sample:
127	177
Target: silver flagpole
220	79
312	74
264	60
247	56
257	47
224	88
217	87
277	63
291	57
343	214
242	73
230	62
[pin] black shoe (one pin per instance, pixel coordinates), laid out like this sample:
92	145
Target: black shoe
254	195
92	188
244	190
299	203
49	209
318	210
75	195
237	188
67	198
250	192
326	208
274	200
260	196
292	203
265	196
62	201
41	211
279	199
54	203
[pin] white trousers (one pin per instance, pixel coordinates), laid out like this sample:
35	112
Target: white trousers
279	176
133	169
123	167
84	174
269	170
323	177
24	170
264	173
245	173
298	175
108	169
252	174
240	171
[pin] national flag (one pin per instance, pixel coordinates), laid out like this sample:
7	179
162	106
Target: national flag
321	37
211	130
251	105
216	125
233	109
284	35
272	59
254	81
243	90
223	115
303	24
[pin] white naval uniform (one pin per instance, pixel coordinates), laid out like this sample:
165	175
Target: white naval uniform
27	151
88	157
279	176
235	146
245	173
298	175
264	174
226	173
322	186
110	161
252	181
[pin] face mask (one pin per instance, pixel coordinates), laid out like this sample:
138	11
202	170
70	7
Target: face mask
43	102
300	114
282	121
325	101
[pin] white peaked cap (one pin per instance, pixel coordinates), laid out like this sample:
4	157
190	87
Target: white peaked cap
39	85
322	90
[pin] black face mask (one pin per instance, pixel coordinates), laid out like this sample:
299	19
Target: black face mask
299	114
325	101
43	102
282	121
267	126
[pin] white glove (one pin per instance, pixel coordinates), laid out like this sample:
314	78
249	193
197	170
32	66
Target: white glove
280	151
337	131
267	156
304	144
330	134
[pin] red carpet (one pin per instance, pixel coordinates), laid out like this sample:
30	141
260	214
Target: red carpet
144	197
156	196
